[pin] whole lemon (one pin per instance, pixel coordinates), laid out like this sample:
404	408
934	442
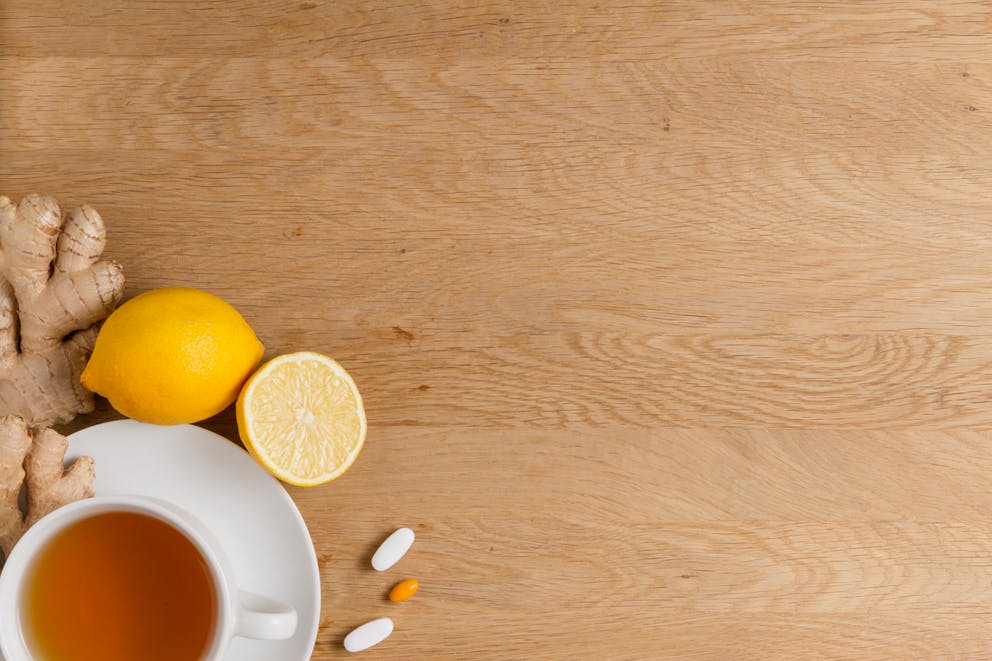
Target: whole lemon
171	356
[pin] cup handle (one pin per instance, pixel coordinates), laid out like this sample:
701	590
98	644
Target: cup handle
263	618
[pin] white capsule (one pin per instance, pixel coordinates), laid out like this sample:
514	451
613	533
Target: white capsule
391	550
369	634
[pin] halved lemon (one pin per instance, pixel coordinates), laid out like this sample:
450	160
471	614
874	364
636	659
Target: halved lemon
301	416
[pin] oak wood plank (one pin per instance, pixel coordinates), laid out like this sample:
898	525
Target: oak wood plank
840	30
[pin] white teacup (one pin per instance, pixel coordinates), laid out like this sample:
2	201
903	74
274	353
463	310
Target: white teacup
239	613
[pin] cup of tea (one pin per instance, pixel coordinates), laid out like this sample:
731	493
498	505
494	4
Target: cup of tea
112	578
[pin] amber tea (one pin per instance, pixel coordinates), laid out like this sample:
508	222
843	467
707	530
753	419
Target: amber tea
119	586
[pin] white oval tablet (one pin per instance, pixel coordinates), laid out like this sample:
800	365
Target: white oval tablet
369	634
391	550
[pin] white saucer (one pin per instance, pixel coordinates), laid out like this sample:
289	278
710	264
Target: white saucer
250	513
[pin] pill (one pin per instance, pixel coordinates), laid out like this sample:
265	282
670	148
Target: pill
369	634
404	590
391	550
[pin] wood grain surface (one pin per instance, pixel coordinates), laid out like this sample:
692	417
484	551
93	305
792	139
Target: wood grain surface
672	319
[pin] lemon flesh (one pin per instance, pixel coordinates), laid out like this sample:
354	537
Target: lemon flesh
302	418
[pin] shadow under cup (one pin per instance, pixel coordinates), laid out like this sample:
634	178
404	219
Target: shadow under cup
114	583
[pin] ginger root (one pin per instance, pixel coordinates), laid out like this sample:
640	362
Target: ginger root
33	458
54	292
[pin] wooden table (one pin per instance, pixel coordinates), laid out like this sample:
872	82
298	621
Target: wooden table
672	319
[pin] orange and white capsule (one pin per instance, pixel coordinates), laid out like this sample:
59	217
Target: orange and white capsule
404	590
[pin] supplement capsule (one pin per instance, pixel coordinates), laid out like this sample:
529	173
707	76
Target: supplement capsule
391	550
404	590
369	634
